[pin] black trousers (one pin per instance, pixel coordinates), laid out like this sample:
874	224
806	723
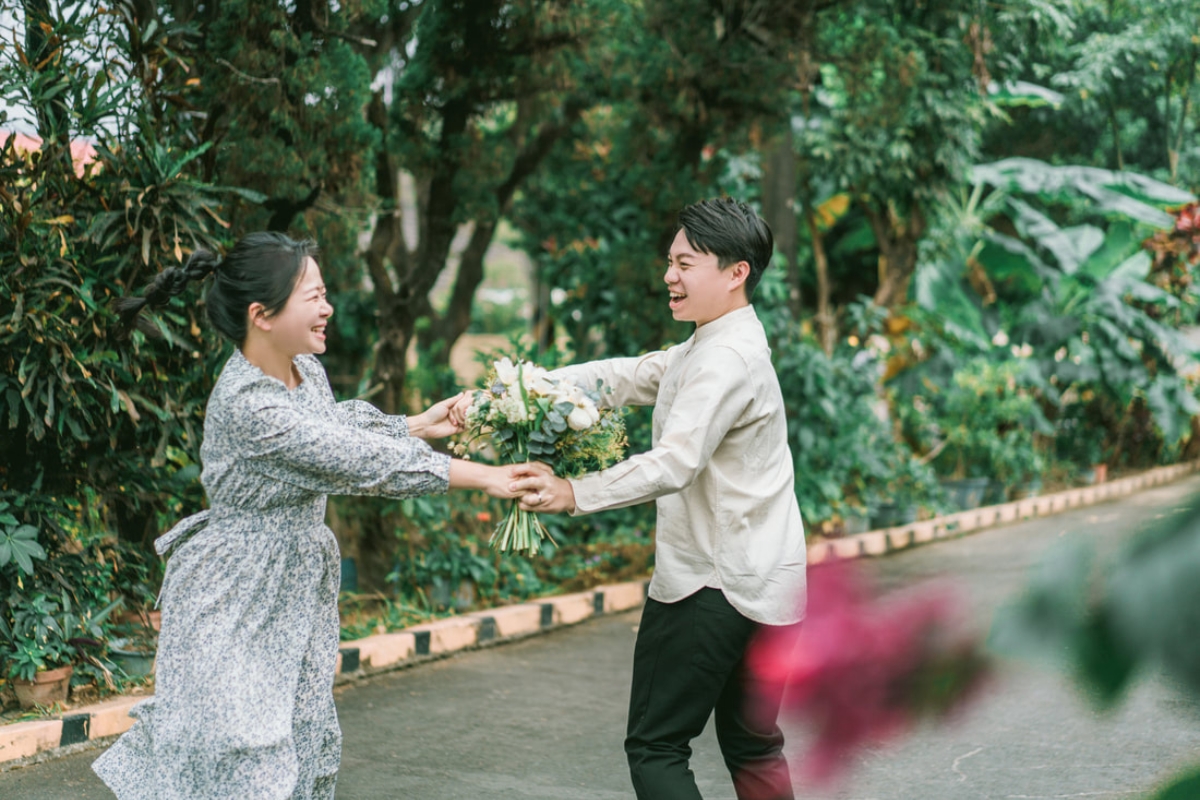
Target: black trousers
689	663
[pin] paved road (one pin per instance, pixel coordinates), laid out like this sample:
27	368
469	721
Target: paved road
544	718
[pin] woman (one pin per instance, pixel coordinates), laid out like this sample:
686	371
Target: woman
243	704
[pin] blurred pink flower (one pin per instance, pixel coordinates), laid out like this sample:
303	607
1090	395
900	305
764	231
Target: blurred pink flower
861	670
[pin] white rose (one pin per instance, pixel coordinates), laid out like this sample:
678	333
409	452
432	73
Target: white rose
579	419
506	372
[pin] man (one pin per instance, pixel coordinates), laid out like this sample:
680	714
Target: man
730	553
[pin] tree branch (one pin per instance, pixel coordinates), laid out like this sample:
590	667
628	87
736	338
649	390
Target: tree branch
244	76
470	266
388	223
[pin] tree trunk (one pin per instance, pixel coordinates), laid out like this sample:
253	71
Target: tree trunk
779	209
897	239
1173	151
1116	134
826	324
447	329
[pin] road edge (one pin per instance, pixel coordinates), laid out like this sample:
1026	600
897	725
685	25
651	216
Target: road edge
27	743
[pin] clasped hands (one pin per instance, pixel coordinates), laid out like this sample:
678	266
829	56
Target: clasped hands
533	483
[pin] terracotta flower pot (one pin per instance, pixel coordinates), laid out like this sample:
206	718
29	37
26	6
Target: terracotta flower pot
46	688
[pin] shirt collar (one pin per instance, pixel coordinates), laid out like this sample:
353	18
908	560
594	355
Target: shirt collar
725	323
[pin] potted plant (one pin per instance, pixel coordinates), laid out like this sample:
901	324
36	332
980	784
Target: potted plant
133	648
911	486
987	419
38	679
957	449
1080	444
136	578
1018	464
42	641
855	519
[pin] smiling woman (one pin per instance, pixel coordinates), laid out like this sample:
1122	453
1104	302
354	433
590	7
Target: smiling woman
250	594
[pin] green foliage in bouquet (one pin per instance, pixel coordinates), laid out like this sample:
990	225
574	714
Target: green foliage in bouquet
526	415
531	418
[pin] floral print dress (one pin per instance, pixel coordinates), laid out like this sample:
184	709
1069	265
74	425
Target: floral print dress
243	705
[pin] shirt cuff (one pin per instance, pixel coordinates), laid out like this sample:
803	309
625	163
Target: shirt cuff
398	426
588	494
441	470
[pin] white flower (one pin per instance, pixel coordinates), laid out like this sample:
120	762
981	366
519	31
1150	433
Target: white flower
1000	339
579	419
565	392
506	372
585	414
475	412
511	407
539	384
879	344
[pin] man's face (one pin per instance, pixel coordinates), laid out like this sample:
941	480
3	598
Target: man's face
700	290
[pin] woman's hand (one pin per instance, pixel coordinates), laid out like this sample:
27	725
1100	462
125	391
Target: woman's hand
496	481
440	421
542	490
459	412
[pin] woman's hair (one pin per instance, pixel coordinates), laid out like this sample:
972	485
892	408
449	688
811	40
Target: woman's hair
261	268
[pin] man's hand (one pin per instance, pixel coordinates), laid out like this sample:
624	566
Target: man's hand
543	491
439	421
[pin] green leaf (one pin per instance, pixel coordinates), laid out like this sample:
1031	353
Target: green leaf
20	544
1136	267
1134	196
1184	788
1104	661
1070	246
1173	406
189	156
245	194
1023	94
939	289
1052	611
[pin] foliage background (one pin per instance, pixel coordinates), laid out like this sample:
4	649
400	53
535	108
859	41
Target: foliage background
957	189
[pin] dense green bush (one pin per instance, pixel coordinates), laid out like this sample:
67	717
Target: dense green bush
106	428
984	423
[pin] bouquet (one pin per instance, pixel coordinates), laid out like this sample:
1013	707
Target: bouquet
526	415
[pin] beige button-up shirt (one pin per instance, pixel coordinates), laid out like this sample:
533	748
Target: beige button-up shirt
720	469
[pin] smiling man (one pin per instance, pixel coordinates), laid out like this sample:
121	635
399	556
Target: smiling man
729	550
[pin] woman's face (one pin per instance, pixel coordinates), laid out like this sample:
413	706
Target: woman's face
300	326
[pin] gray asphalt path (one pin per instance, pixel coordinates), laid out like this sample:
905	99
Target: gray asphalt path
544	718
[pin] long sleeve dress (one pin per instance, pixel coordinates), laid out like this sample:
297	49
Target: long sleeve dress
243	705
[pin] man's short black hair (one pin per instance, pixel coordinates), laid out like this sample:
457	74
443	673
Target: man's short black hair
730	230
